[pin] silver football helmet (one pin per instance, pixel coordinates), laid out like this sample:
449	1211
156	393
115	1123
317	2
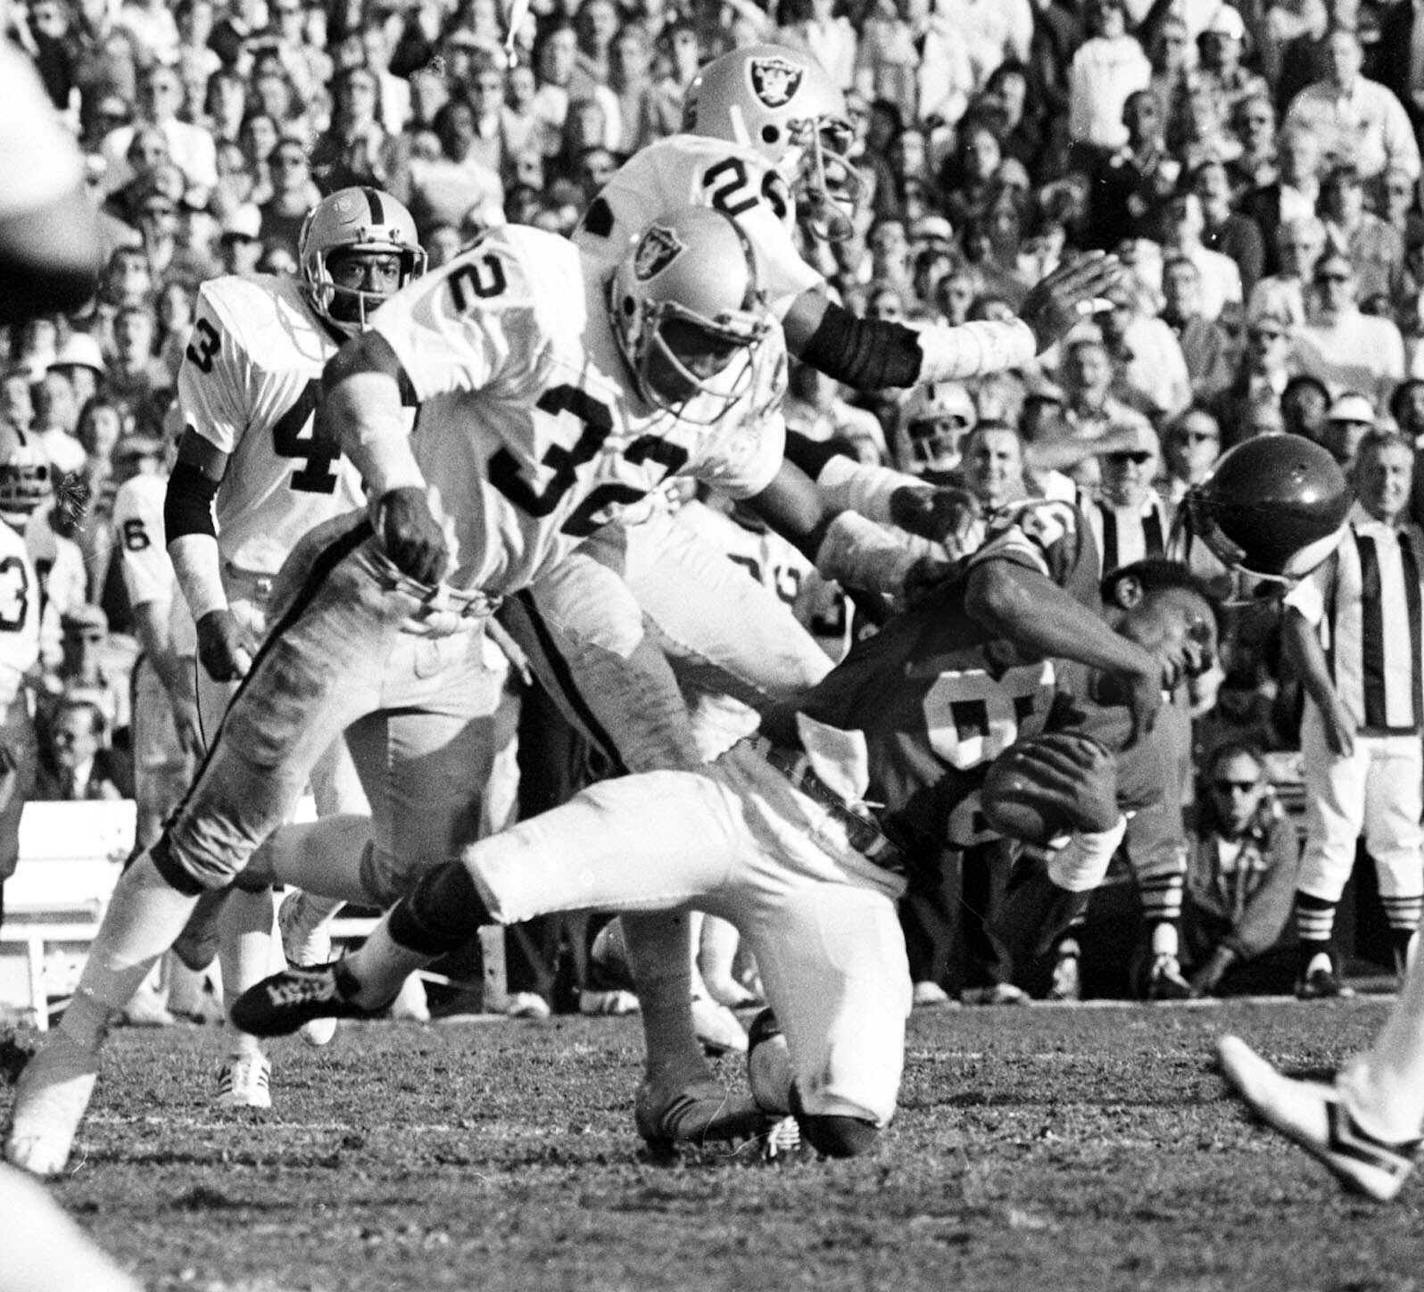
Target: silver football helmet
26	482
687	310
780	102
354	220
931	425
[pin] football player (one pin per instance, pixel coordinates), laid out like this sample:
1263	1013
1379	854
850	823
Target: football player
24	486
251	478
546	401
777	835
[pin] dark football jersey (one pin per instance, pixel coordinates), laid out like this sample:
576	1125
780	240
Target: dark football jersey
937	697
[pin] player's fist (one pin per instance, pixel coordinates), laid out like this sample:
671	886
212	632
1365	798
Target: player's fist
411	535
1047	786
944	515
223	648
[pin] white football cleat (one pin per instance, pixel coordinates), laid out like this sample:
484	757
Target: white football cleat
717	1027
245	1082
615	1002
50	1099
528	1004
1313	1116
306	943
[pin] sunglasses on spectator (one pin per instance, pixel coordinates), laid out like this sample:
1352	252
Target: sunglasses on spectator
1138	457
1337	277
1197	437
1237	787
91	635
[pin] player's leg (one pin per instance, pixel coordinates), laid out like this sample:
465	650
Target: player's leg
1394	800
598	851
315	675
618	688
821	920
1334	819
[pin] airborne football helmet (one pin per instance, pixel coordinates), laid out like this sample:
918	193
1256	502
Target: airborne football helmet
687	310
1274	507
354	220
26	483
931	425
779	102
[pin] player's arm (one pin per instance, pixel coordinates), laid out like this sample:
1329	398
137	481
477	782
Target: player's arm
1306	658
871	354
1029	609
941	514
842	545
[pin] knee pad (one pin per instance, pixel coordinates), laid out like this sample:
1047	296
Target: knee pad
833	1134
443	911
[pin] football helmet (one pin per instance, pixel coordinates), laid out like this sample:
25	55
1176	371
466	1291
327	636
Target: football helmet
354	220
1274	507
26	483
687	310
931	425
779	102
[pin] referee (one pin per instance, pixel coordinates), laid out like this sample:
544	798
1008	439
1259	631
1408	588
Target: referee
1352	634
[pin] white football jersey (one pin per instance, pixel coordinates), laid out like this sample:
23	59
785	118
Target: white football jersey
249	384
19	614
139	537
530	433
689	170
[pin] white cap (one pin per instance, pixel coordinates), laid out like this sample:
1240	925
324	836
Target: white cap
244	222
79	350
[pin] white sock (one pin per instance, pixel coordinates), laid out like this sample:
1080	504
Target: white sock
144	917
249	951
381	965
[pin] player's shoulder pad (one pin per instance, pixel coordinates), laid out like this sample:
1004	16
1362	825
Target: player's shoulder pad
252	310
515	267
138	494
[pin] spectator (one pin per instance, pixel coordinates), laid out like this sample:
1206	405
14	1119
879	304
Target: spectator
1262	377
356	149
1358	120
1224	230
1360	734
1183	226
1204	346
293	194
1253	121
1292	196
1241	865
1107	67
240	243
190	147
1305	404
75	766
135	376
1299	245
458	183
56	419
1128	518
1190	446
1350	419
1375	249
1152	374
81	362
1342	346
814	26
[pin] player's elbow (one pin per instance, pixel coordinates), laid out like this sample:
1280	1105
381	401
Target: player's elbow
993	595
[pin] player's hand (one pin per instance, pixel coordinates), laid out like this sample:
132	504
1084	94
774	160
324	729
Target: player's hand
1143	699
411	535
223	648
1339	729
945	515
188	725
1068	295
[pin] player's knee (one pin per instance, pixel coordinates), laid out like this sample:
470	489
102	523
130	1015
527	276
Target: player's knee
443	911
184	873
833	1134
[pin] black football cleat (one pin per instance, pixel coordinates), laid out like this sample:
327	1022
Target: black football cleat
281	1004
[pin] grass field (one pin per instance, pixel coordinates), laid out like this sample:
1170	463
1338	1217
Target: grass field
1035	1148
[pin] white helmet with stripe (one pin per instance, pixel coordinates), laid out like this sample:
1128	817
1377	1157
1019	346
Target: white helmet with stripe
352	221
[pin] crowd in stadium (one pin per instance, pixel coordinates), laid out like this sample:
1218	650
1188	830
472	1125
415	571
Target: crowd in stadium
1254	164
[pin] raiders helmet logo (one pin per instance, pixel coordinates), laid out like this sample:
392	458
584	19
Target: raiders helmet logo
658	249
775	80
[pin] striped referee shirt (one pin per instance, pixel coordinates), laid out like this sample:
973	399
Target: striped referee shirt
1127	534
1365	604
